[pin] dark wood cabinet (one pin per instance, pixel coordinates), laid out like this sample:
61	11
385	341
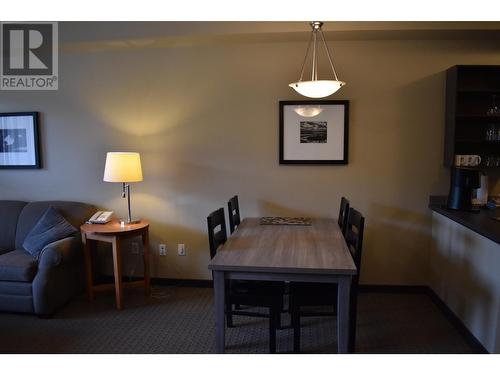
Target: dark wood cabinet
472	123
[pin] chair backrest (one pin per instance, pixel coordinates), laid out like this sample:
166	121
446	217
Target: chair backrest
234	213
216	236
343	213
354	237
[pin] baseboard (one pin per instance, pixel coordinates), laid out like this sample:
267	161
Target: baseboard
194	283
381	288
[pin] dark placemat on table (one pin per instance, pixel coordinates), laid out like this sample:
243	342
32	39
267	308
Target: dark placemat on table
276	220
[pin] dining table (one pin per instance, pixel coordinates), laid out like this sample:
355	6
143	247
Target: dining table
315	252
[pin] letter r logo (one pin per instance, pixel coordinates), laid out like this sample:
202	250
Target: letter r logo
27	49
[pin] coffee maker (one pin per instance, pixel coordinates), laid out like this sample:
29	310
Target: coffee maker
462	185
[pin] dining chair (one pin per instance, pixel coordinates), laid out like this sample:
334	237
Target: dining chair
325	294
266	294
235	220
343	212
234	213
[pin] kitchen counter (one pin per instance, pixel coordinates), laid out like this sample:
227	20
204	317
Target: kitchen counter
464	258
481	222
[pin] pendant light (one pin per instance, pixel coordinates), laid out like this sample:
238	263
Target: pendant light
316	88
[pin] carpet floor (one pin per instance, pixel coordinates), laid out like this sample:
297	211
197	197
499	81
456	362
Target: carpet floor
180	320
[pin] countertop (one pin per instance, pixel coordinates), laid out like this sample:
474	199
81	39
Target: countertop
481	222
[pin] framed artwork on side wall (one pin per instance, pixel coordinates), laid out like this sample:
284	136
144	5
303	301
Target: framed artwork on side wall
19	146
314	132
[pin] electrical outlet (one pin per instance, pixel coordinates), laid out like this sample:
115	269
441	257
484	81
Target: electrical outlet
135	248
162	249
181	250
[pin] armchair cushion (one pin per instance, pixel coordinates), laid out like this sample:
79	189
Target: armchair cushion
51	227
17	265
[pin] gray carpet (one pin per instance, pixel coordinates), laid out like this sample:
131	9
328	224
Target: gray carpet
180	320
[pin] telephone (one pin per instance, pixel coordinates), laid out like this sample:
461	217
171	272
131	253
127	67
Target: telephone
100	217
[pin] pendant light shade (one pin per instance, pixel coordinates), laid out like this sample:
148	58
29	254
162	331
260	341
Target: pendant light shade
317	88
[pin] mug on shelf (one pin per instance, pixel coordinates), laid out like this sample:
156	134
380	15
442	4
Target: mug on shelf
467	160
492	161
473	160
459	160
493	133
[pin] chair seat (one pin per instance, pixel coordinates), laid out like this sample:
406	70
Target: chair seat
17	265
314	294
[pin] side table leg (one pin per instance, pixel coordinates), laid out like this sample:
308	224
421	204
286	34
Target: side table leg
117	271
87	249
145	249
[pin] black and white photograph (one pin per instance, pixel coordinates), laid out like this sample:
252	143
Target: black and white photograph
13	140
19	140
313	131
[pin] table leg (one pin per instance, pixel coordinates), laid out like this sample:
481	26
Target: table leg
344	286
87	249
145	249
117	271
219	311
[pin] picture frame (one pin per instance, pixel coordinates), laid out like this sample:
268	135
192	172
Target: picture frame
314	132
19	140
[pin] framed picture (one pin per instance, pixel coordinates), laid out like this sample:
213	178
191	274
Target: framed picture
314	132
19	140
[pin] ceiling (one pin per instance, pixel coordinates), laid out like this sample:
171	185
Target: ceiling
106	35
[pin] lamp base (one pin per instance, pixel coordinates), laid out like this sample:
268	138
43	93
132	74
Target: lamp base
132	221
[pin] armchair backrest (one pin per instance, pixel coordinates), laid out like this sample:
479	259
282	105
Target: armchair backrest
9	215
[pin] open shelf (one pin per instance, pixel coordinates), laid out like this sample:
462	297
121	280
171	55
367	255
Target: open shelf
478	141
492	118
471	90
479	91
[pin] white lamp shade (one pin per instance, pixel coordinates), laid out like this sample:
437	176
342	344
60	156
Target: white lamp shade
317	89
123	167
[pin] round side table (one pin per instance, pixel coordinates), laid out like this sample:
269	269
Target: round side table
114	233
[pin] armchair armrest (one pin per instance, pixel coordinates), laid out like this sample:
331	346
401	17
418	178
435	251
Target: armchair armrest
60	252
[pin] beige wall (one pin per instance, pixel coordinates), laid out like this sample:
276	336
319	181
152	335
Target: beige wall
205	119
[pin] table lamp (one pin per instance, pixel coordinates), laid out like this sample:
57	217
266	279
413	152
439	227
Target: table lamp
124	167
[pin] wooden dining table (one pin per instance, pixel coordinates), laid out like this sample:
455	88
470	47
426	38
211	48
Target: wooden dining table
303	253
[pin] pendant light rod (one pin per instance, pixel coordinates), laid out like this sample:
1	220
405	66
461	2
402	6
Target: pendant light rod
314	76
328	54
305	58
316	26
